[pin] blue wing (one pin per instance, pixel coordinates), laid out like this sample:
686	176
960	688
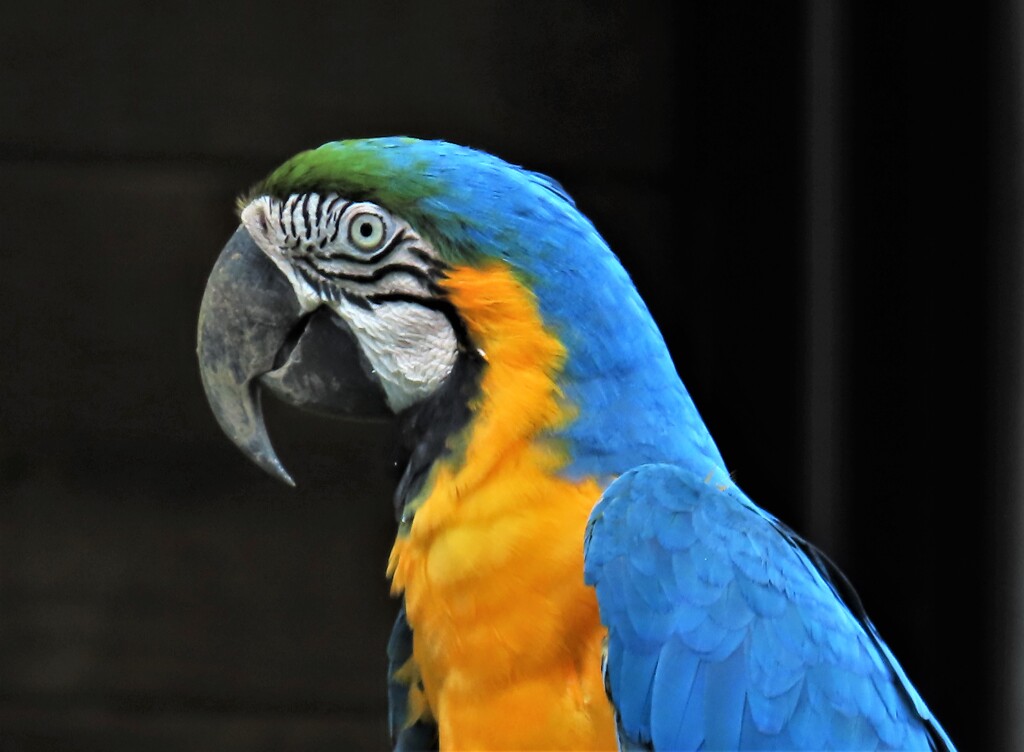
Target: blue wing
726	631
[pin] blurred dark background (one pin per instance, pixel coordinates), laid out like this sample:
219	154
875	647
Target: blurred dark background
820	202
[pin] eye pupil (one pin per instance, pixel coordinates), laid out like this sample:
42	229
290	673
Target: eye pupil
366	229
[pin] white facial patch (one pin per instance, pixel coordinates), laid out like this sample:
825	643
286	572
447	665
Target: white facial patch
375	272
412	349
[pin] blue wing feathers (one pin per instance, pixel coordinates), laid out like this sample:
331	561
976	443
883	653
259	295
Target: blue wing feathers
705	637
763	598
726	631
677	533
691	730
674	678
771	712
638	679
698	592
805	728
750	559
731	610
709	564
722	727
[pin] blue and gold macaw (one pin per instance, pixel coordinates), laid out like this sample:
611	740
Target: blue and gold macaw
576	567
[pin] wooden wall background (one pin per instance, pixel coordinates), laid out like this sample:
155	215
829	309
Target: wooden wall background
157	592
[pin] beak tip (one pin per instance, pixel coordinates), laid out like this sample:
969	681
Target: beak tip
276	469
249	433
257	448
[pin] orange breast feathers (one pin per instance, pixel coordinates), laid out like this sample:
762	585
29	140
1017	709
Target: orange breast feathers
506	636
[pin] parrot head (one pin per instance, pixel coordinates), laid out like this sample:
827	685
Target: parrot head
385	277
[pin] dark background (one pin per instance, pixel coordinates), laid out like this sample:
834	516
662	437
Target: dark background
819	202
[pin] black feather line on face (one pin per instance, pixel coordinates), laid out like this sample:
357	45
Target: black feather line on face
357	300
286	221
307	220
332	203
378	274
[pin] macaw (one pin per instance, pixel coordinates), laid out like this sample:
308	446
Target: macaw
576	567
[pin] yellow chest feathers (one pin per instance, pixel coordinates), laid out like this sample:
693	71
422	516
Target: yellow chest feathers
506	636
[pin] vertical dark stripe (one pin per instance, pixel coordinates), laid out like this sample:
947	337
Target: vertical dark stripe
1005	648
330	204
280	213
337	228
823	490
306	218
286	213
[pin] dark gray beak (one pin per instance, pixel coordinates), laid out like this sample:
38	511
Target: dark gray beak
253	333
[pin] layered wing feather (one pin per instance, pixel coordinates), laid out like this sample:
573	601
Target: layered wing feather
726	630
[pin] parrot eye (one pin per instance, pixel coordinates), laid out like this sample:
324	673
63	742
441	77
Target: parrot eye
366	231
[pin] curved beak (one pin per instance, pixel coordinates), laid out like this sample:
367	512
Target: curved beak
253	332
